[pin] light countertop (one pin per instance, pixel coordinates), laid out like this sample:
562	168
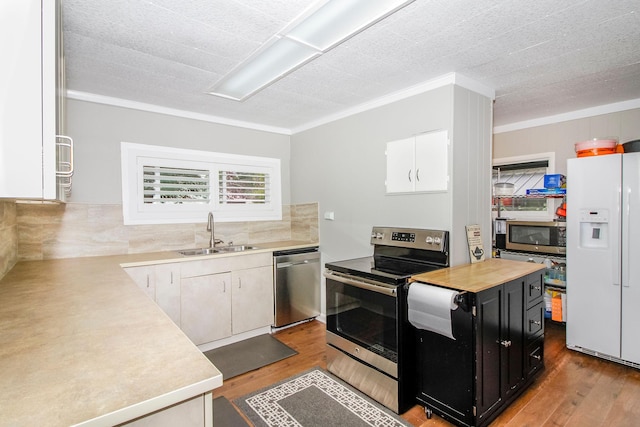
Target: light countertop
81	343
480	276
134	260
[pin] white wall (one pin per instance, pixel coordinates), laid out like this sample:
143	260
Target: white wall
561	137
471	171
342	166
98	129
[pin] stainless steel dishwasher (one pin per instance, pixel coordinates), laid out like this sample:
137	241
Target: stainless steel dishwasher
296	278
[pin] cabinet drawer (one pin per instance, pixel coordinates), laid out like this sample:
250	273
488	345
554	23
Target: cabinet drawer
534	321
533	288
534	359
222	264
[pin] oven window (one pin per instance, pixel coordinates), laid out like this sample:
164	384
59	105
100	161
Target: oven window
364	317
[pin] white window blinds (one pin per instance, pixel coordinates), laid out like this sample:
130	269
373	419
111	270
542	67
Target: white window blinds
523	175
238	187
524	172
162	185
173	185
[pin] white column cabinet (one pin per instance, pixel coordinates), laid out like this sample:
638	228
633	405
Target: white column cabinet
252	299
30	94
418	164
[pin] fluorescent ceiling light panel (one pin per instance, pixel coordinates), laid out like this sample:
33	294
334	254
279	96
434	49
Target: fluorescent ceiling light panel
273	61
339	20
329	23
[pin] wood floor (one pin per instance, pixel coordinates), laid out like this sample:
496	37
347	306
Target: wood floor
574	390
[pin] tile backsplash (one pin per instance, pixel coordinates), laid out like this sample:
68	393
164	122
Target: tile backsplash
47	231
8	236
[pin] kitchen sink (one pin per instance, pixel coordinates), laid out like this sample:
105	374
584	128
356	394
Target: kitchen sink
216	250
199	251
236	248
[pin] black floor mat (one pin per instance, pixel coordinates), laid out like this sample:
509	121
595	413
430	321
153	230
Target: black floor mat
225	415
244	356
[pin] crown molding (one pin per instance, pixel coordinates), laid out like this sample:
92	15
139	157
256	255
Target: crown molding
571	115
444	80
134	105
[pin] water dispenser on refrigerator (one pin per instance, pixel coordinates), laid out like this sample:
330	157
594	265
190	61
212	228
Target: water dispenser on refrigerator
594	228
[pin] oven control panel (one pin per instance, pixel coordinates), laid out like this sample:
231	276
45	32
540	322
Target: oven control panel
401	236
435	240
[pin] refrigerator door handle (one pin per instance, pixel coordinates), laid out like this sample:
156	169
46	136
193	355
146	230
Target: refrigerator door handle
616	265
626	227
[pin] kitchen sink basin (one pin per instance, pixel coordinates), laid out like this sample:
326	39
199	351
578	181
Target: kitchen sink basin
216	250
199	251
236	248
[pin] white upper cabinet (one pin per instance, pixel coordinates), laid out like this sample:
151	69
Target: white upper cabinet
29	98
400	166
418	164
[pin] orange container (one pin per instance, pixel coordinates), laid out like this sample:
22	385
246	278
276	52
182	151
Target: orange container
596	147
556	308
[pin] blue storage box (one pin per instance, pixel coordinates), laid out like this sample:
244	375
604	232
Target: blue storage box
555	181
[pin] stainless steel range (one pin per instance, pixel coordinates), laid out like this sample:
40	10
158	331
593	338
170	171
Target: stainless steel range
369	340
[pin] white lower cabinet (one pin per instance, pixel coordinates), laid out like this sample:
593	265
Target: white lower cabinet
144	277
192	412
161	282
252	299
206	307
167	284
212	299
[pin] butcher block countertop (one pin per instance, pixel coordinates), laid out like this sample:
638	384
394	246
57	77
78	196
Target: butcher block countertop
480	276
80	343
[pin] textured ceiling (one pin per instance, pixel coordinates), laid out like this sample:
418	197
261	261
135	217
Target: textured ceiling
541	57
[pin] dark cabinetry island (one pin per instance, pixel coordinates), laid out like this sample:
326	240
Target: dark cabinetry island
499	341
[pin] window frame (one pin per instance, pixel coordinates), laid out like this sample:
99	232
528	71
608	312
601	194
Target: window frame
549	213
136	212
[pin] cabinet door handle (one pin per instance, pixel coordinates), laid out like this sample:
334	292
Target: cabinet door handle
535	322
505	343
537	357
239	283
536	288
409	175
65	168
172	277
224	286
147	280
418	175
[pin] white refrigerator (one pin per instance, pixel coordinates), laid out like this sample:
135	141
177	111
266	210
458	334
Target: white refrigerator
603	256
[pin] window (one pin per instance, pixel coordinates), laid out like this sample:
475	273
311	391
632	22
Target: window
236	187
525	172
170	185
174	185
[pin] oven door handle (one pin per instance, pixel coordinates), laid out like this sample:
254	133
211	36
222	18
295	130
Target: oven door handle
360	284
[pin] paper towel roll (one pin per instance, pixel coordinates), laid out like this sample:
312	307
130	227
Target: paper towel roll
430	308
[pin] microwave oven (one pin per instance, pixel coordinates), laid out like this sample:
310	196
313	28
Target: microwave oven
547	237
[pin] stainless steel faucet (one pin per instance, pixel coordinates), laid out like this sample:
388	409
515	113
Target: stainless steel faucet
211	227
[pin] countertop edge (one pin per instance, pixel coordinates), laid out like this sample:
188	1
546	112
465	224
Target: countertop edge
452	277
149	406
167	257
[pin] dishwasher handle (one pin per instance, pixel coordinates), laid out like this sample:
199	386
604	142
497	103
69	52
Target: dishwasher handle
291	264
299	251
